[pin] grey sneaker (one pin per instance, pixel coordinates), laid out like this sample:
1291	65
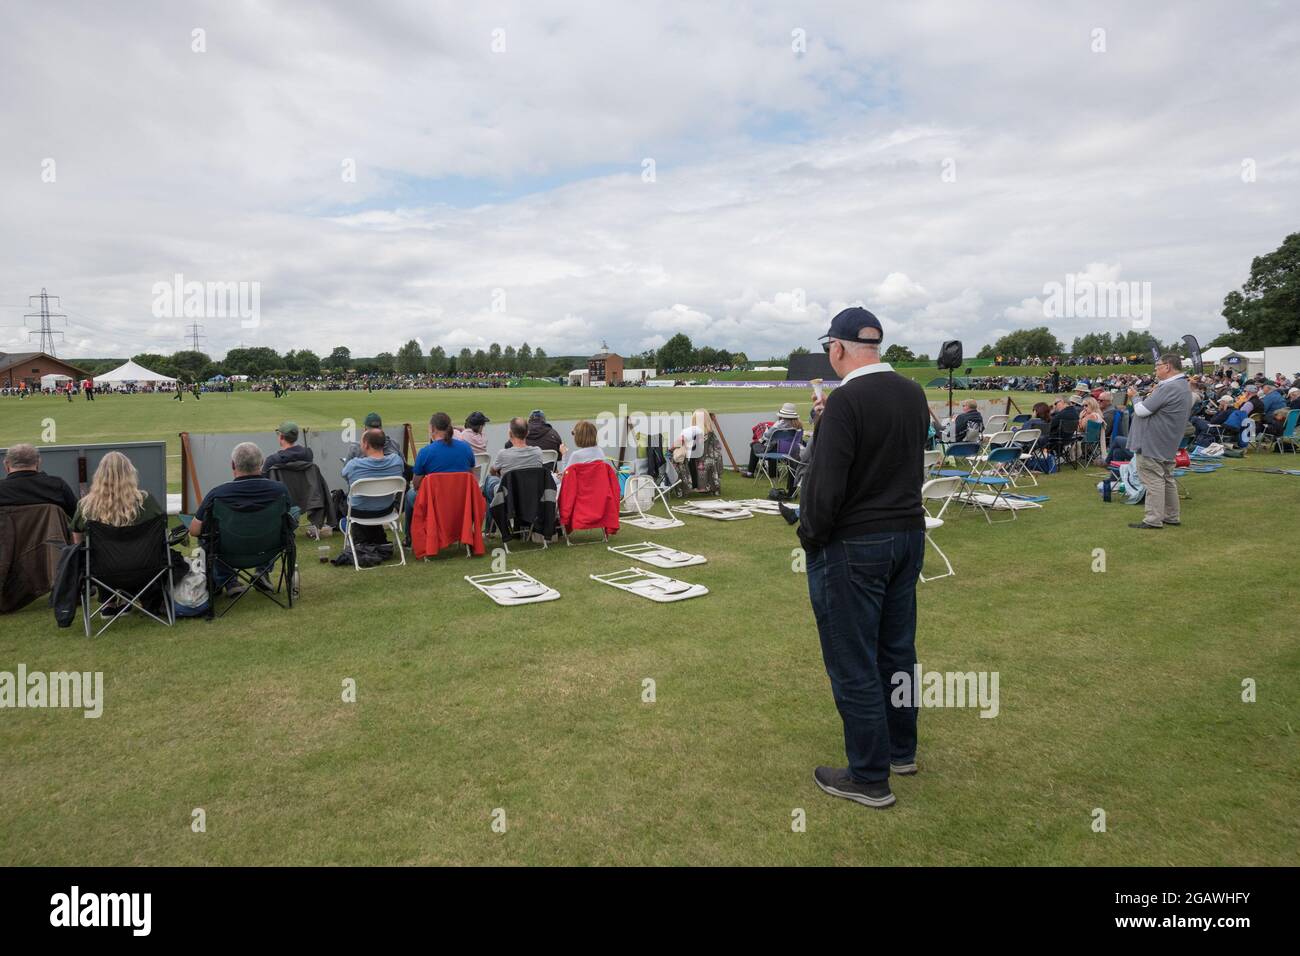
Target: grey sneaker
839	783
903	769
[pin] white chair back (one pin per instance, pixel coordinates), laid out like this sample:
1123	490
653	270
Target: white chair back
939	489
550	456
377	488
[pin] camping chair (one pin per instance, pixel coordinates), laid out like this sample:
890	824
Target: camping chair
377	488
992	476
126	564
243	547
774	462
1288	437
1091	449
938	489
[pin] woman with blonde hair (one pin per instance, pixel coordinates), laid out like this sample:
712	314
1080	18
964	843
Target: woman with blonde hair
115	497
697	456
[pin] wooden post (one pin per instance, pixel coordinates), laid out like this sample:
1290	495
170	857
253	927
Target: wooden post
718	428
187	464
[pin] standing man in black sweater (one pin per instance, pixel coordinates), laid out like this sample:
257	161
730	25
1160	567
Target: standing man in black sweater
862	527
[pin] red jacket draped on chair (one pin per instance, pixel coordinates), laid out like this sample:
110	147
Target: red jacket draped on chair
449	509
589	497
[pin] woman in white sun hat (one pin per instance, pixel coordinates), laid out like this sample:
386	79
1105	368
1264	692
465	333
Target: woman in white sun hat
787	417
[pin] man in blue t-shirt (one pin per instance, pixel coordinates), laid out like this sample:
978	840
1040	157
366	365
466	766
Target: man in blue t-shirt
444	453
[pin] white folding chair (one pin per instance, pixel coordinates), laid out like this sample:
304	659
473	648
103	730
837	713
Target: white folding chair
639	496
938	489
377	488
995	423
482	462
1027	439
931	460
550	456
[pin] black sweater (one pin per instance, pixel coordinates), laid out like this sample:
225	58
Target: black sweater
867	461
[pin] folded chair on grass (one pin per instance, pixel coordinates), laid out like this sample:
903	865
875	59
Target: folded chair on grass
245	547
938	489
377	488
647	584
130	567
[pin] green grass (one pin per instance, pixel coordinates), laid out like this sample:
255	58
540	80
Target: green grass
1119	690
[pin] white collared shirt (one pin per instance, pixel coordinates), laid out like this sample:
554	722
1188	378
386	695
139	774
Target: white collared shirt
866	370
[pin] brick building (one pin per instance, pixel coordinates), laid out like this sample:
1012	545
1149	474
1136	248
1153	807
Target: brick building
605	368
19	367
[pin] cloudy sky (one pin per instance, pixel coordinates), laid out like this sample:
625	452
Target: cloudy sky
564	173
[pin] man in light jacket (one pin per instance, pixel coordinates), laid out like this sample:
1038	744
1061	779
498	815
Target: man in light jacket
1159	421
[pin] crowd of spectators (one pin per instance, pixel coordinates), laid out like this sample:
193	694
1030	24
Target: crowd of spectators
1112	359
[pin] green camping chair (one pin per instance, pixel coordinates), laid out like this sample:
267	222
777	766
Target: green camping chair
244	547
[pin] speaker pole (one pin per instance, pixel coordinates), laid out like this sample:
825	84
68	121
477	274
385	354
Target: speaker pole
950	393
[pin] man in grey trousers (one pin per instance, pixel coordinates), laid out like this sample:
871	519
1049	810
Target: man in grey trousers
1159	421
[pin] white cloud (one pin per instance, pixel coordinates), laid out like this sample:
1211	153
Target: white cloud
786	186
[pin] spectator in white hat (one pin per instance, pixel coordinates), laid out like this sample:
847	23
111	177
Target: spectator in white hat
787	417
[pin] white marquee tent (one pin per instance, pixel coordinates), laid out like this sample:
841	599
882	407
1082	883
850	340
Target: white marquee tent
130	372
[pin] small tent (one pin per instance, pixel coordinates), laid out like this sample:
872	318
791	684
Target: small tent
54	380
130	372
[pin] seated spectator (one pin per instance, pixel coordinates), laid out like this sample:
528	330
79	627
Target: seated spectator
584	440
26	484
970	423
1293	398
1063	425
1040	418
391	447
517	454
697	456
247	491
1270	401
444	453
1275	423
1090	411
541	434
290	451
375	462
115	497
472	433
787	417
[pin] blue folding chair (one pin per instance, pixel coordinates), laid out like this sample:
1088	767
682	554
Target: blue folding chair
969	450
996	478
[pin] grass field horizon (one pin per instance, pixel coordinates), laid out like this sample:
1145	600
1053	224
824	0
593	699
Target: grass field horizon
1120	690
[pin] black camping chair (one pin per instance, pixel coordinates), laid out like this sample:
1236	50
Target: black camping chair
131	566
244	547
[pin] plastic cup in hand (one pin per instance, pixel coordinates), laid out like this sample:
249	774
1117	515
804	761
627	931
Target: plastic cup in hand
817	388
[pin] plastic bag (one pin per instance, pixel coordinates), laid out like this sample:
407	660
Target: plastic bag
190	592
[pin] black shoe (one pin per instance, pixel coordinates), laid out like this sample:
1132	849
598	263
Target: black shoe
789	514
907	769
1145	527
838	783
1172	524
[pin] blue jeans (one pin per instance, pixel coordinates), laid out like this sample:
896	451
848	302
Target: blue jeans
863	592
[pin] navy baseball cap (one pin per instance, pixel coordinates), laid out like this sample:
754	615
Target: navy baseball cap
853	325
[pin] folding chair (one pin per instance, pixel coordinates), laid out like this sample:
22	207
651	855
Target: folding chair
995	424
1288	436
244	547
1026	440
969	450
929	462
1090	450
377	488
992	477
639	494
595	483
938	489
482	463
1019	420
126	563
510	502
775	459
